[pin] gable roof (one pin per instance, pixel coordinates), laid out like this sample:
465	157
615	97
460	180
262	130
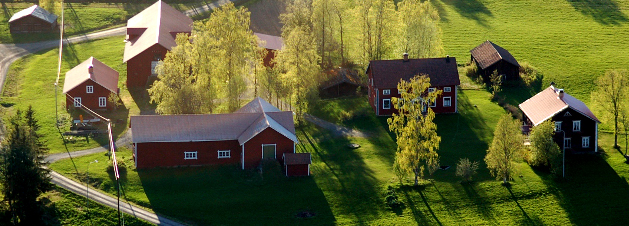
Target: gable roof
441	71
35	11
297	158
488	53
241	125
341	75
547	104
271	42
103	75
158	24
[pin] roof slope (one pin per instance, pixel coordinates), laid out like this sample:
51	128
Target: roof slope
271	42
161	23
338	76
547	104
35	11
488	53
387	73
297	158
242	125
103	75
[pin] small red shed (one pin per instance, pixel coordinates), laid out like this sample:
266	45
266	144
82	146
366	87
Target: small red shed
271	44
33	19
297	164
89	84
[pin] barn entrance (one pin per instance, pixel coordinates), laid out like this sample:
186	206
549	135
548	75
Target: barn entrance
268	151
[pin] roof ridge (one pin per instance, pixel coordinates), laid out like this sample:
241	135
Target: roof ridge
493	45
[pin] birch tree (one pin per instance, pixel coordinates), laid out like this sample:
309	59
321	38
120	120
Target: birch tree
505	148
544	150
611	95
420	32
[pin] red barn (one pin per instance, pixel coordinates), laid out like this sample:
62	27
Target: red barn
89	84
297	164
271	44
384	76
33	19
151	34
256	131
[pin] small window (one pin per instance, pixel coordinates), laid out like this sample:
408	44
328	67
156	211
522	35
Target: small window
77	102
153	66
268	151
447	89
386	92
567	114
567	143
430	90
447	101
89	89
585	142
224	154
102	101
386	104
190	155
557	126
576	125
432	103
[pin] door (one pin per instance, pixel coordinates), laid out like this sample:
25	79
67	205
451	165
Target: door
268	151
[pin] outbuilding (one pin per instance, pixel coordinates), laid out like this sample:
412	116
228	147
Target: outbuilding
342	82
33	19
297	164
490	57
271	45
89	85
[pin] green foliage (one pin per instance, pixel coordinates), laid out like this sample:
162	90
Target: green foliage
544	150
466	169
471	71
420	31
505	148
115	100
391	198
529	74
495	83
611	97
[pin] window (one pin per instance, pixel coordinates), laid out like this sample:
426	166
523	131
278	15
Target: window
430	90
557	126
77	102
190	155
432	103
400	91
567	143
224	154
89	89
386	104
268	151
447	89
153	65
576	125
102	101
585	142
386	92
567	114
447	101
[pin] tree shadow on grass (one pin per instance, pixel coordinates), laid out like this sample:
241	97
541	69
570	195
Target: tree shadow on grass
77	26
419	217
527	219
471	9
479	198
5	10
141	97
606	12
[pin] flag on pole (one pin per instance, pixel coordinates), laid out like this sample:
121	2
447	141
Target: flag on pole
113	150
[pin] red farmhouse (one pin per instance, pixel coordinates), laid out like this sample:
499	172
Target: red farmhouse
271	44
89	84
256	131
384	75
576	127
150	34
33	19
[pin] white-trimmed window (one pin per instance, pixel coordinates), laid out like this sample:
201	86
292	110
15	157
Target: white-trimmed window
576	125
89	89
557	126
190	155
153	66
102	101
77	102
386	92
269	151
386	103
447	101
224	154
432	103
447	89
567	143
585	142
430	90
400	91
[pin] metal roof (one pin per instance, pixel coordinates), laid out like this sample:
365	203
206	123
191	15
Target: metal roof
35	11
547	104
103	75
270	41
297	158
441	71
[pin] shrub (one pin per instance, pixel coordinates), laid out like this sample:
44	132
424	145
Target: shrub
471	71
529	74
466	169
391	198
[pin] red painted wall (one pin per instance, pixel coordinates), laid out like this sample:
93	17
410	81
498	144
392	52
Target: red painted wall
268	57
89	100
439	108
139	67
30	24
253	147
297	170
165	154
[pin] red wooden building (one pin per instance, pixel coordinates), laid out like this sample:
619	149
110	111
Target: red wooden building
297	164
490	57
151	34
89	84
384	76
256	131
33	19
576	127
271	44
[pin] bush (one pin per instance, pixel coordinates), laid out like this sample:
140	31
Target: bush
391	198
466	169
471	71
529	74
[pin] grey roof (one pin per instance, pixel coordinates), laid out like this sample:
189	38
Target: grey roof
35	11
271	42
258	105
488	53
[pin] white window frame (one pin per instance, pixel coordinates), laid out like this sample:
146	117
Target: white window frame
449	101
386	92
400	91
275	148
585	142
567	143
447	89
384	106
576	125
190	155
224	154
89	89
432	103
557	126
77	102
153	66
102	101
430	90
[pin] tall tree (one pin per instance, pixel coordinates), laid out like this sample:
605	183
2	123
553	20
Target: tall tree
416	133
612	92
505	148
544	150
420	32
375	23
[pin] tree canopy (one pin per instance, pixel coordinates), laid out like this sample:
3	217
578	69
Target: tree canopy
612	96
505	148
544	150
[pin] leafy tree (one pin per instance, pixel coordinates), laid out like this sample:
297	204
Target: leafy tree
22	171
376	27
505	148
115	100
544	150
496	83
624	119
612	92
466	169
420	32
416	133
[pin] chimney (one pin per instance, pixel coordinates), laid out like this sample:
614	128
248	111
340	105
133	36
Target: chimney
560	93
405	55
90	69
552	84
447	58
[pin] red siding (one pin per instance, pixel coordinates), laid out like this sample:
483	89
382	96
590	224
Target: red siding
253	147
89	100
268	57
297	170
439	108
139	67
166	154
30	24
